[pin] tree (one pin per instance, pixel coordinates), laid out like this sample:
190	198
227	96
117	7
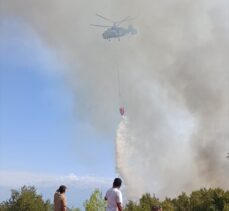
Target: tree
26	199
218	198
74	209
182	203
96	202
226	207
168	205
131	206
200	200
146	202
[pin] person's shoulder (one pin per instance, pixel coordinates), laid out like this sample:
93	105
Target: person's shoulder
56	194
110	189
116	190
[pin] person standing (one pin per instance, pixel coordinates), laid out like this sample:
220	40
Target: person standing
60	202
156	208
114	196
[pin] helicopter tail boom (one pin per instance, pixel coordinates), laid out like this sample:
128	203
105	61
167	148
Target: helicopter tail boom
131	30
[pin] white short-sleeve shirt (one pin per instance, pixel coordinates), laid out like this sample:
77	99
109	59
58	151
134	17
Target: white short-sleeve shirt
113	197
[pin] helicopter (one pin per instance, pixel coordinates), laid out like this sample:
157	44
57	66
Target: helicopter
115	30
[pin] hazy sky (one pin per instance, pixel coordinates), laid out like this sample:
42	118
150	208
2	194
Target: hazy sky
40	132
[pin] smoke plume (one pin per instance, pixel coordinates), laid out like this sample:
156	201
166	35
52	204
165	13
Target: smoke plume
174	81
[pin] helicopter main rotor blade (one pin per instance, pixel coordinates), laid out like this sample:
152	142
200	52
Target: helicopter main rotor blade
123	19
107	19
100	25
128	18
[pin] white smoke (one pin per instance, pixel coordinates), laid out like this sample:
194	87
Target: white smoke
174	83
148	153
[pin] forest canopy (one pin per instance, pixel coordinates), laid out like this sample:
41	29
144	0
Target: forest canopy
217	199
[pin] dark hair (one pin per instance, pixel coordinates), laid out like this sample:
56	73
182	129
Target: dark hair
62	189
155	208
117	182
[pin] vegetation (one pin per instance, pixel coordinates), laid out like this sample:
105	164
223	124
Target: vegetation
27	199
96	202
201	200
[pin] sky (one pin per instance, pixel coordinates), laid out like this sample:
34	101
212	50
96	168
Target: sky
60	102
40	132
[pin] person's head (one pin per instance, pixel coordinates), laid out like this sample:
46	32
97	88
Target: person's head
62	189
117	183
155	208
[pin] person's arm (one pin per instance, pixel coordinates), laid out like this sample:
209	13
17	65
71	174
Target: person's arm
119	205
119	201
105	197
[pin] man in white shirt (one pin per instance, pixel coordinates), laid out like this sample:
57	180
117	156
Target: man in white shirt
114	196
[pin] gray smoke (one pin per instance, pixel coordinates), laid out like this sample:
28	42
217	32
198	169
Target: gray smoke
174	82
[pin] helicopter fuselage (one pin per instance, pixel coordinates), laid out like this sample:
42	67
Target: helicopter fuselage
115	32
